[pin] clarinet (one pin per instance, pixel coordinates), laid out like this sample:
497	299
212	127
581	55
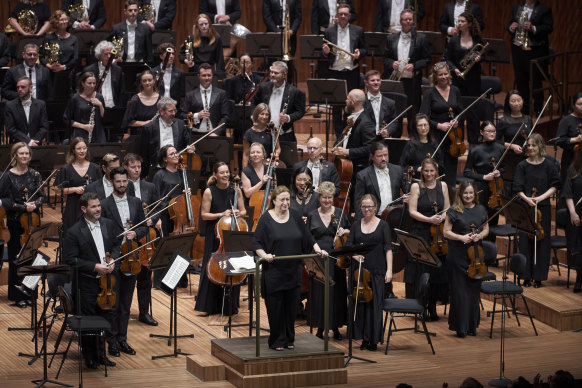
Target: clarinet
92	122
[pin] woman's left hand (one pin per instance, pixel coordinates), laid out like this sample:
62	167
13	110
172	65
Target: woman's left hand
322	253
30	206
388	277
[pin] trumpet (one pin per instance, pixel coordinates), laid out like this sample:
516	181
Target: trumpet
286	35
340	52
468	60
521	36
398	73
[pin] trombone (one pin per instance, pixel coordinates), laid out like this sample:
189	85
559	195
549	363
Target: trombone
337	50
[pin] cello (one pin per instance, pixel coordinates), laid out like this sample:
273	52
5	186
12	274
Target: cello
344	167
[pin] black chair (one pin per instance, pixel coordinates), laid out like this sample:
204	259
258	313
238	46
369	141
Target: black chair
507	290
559	242
504	230
416	306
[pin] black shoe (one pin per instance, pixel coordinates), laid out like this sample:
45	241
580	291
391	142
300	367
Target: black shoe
577	289
113	350
148	319
392	296
364	345
372	347
461	335
125	348
106	361
21	303
526	283
91	364
537	284
319	333
472	333
337	335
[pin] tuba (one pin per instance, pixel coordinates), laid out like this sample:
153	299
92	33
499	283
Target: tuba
468	60
52	52
118	42
77	12
521	36
28	21
233	67
147	12
286	35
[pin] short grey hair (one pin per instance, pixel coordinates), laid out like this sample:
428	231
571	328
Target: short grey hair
30	45
166	101
104	44
282	65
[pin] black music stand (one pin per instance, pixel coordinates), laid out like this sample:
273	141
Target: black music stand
509	165
497	52
264	44
395	148
376	43
390	86
130	72
310	48
241	120
435	42
88	39
112	119
284	176
214	149
224	31
168	256
98	150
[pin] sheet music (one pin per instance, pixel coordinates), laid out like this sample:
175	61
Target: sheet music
242	263
31	282
175	272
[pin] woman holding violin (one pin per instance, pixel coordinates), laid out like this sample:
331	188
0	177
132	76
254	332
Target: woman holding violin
17	186
461	219
217	202
254	175
570	134
536	179
441	104
165	180
260	132
281	232
143	107
304	199
329	227
429	199
374	270
513	118
572	192
420	144
73	177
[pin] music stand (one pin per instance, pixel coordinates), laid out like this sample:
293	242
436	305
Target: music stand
497	51
112	119
390	86
395	148
88	39
510	163
435	42
214	149
284	176
264	44
224	31
310	46
43	158
376	44
130	71
98	150
241	120
168	256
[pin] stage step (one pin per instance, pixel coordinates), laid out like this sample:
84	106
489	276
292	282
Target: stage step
206	368
289	379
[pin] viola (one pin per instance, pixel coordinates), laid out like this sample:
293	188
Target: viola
495	188
438	245
182	210
477	268
455	136
146	253
342	262
107	297
28	221
538	217
249	96
4	232
363	291
260	199
345	169
130	265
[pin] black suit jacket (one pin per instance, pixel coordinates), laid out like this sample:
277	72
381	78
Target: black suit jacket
387	113
151	139
320	15
356	41
219	105
231	7
177	83
448	16
166	13
43	82
272	12
116	80
143	41
296	98
148	191
328	173
419	53
385	10
362	136
136	214
367	183
97	187
542	20
96	11
4	50
18	128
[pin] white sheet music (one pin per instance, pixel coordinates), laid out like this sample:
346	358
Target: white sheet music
31	282
175	272
242	263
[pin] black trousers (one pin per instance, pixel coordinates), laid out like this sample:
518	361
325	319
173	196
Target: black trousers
90	344
521	70
144	289
281	311
124	287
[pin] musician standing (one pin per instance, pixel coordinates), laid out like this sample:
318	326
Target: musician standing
104	187
323	14
40	9
164	14
451	13
39	75
142	108
510	123
17	186
570	134
572	192
4	50
221	11
238	86
94	16
389	11
381	109
321	169
205	46
137	37
172	83
420	143
112	86
85	110
274	18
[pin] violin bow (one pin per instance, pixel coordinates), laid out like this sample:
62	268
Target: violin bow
507	149
538	119
155	204
534	193
135	250
42	184
357	289
396	118
202	137
343	211
8	166
145	220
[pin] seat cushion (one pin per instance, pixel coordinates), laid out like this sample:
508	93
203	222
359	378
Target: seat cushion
497	287
405	306
558	242
502	230
88	323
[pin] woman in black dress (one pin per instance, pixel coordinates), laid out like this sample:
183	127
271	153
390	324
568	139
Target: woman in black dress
421	206
16	188
570	134
420	144
304	199
259	133
217	202
204	46
42	12
323	223
572	192
254	175
436	104
62	59
464	313
511	121
458	47
143	107
371	230
73	177
85	111
282	232
541	173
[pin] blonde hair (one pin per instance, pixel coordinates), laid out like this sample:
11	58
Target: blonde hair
326	188
435	69
198	35
14	149
425	162
539	141
458	202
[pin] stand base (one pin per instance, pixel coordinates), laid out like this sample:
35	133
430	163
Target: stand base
349	358
500	382
175	354
40	383
32	357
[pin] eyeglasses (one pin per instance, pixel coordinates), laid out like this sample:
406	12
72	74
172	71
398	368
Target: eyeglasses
367	207
311	148
173	154
343	14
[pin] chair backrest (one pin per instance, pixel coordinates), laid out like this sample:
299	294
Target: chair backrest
66	301
490	252
423	288
517	263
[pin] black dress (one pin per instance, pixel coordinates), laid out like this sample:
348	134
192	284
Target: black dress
138	111
324	236
471	85
41	10
79	110
567	129
69	177
414	153
573	189
413	270
368	323
479	164
12	195
209	299
165	181
306	208
281	280
508	126
464	313
206	53
68	54
263	137
250	173
541	176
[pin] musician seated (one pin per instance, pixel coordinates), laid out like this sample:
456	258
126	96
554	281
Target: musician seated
22	23
93	16
137	37
103	187
112	86
221	11
388	15
26	117
237	87
321	169
209	105
39	75
163	15
381	109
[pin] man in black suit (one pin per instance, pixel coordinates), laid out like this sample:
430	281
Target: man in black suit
4	50
125	210
388	15
382	179
39	75
93	18
273	16
84	247
537	25
221	11
103	187
209	105
26	117
323	15
112	87
172	82
321	169
381	109
451	12
276	93
137	37
407	51
165	12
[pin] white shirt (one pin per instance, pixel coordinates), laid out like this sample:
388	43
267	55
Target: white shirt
30	72
166	134
106	89
167	81
95	229
107	186
315	171
220	8
376	102
123	209
385	187
26	106
137	188
343	62
283	9
275	103
404	52
130	41
332	10
397	7
206	124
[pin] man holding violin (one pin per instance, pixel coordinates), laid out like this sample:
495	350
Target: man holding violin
85	246
125	211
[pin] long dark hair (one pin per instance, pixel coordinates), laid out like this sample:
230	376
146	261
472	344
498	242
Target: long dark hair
506	108
293	190
575	98
475	29
413	132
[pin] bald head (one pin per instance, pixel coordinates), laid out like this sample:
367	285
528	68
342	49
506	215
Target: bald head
355	101
314	148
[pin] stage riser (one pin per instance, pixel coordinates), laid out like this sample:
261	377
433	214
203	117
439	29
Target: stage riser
206	369
288	380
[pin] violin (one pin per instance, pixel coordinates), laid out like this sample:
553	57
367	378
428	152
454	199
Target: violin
4	232
577	146
28	221
214	271
107	297
130	265
457	147
538	218
342	262
146	253
345	169
260	199
438	245
495	188
477	268
363	289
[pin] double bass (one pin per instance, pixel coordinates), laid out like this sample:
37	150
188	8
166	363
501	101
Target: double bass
344	167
